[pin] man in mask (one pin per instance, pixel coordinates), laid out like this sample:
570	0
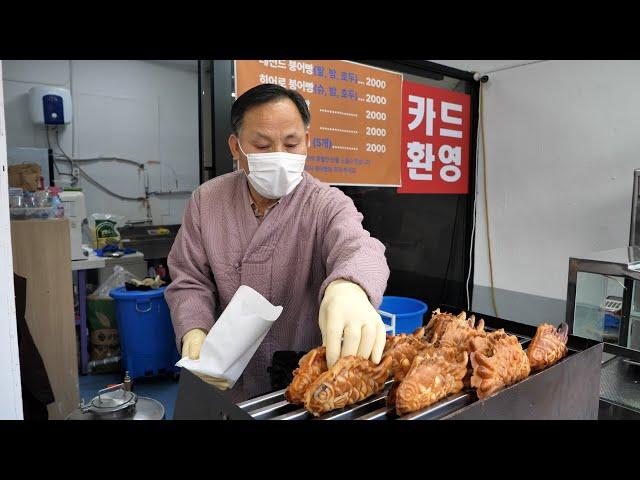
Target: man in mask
292	238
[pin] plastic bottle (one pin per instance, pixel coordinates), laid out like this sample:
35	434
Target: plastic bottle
59	207
15	198
161	271
56	204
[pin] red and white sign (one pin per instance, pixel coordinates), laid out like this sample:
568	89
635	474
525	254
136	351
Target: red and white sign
435	140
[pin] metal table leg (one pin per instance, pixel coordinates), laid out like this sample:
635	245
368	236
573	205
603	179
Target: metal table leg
84	331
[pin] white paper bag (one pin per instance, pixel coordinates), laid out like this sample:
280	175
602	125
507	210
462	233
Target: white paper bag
235	337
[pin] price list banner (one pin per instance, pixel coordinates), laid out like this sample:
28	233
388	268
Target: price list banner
356	111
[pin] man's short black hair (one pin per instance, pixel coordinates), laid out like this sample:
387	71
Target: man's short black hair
265	93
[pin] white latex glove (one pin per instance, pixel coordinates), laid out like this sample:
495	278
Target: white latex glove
191	343
346	312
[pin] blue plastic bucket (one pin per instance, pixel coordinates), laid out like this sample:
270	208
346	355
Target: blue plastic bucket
147	338
409	313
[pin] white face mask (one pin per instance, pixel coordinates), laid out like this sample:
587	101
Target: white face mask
274	174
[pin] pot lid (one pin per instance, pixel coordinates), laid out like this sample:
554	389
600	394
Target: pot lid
112	401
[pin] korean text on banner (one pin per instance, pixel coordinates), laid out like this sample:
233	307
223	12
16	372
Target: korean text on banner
435	140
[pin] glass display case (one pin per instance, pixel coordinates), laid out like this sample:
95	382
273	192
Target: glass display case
603	303
603	296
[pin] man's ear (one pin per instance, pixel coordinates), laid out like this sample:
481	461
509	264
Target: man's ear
233	147
307	138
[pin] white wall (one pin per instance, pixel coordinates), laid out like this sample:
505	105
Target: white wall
140	110
562	141
10	392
